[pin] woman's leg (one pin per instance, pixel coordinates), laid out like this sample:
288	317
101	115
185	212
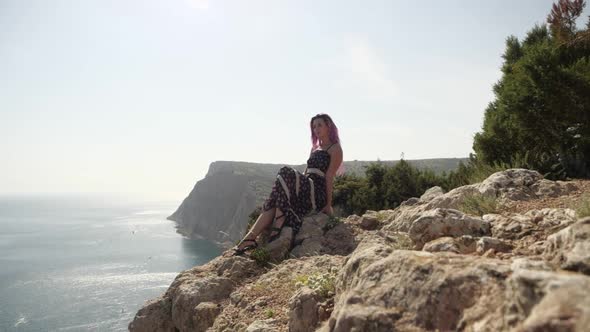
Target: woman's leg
264	220
278	224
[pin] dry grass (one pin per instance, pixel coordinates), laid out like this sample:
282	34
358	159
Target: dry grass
268	296
583	206
478	205
570	201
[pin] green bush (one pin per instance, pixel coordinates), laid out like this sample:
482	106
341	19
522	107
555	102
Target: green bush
332	222
261	256
382	187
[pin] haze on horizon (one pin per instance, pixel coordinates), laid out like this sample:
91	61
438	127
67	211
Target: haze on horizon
139	97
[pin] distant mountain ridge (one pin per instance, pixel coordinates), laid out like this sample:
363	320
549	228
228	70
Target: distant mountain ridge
218	206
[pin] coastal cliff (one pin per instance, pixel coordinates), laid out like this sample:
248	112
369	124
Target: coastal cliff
217	208
430	264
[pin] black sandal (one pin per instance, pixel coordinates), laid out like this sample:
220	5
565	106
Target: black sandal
239	252
276	229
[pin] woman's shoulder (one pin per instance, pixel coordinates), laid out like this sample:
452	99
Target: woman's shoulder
335	147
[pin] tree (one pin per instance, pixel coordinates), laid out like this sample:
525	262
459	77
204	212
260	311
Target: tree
542	102
562	19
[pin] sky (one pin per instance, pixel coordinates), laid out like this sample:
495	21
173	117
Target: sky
139	96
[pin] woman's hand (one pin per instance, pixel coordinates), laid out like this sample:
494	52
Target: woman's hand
328	210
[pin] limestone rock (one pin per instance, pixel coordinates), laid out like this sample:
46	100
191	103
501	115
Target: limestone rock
547	188
369	222
446	243
236	268
318	237
249	301
339	240
303	307
454	198
176	310
205	314
513	184
360	317
308	241
486	243
353	218
382	286
155	315
523	263
539	300
312	227
465	244
552	219
279	249
446	222
431	193
383	290
410	201
570	248
262	326
387	290
564	309
371	248
539	222
189	294
401	219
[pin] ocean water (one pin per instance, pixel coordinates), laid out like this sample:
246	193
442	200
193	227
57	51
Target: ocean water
87	263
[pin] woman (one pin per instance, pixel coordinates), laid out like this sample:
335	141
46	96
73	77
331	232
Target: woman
295	194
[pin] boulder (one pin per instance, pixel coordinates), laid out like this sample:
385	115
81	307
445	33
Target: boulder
453	199
369	222
431	193
303	306
541	300
486	243
380	289
205	314
178	309
446	222
547	188
535	222
465	244
569	248
318	237
262	326
155	315
279	249
308	241
192	292
339	240
512	184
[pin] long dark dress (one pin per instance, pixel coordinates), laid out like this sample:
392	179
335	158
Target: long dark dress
297	205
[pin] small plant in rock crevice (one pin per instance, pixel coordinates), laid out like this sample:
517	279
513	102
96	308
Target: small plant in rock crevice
322	283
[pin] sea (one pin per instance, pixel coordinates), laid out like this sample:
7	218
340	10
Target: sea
87	262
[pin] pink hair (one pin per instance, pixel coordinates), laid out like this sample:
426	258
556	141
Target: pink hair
332	133
332	130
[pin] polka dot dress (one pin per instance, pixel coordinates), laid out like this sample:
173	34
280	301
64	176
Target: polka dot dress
299	205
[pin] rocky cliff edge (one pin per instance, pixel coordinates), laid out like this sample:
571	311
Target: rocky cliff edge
423	266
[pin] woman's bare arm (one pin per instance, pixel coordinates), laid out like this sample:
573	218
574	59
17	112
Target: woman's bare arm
335	161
